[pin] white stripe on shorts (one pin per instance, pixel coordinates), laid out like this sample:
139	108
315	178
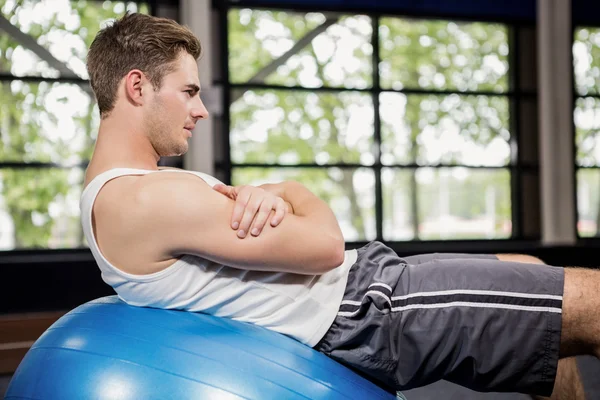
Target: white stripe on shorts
455	292
462	304
480	293
454	303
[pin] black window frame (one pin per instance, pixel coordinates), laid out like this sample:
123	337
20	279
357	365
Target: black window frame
515	95
60	279
6	77
585	240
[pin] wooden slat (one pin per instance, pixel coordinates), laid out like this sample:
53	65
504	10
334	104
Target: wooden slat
20	327
18	332
10	359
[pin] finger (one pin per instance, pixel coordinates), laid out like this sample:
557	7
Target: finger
243	197
261	217
249	213
224	189
280	210
219	187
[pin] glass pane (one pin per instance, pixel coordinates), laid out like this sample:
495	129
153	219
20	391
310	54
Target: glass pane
586	60
433	129
349	192
291	127
398	221
20	61
47	122
451	204
65	29
338	52
588	202
587	131
39	208
443	55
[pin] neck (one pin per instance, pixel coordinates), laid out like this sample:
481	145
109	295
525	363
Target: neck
121	143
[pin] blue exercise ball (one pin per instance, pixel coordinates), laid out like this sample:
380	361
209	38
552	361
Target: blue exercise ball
106	349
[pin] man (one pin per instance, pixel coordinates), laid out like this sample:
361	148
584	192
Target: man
274	255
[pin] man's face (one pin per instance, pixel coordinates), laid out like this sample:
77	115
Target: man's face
175	108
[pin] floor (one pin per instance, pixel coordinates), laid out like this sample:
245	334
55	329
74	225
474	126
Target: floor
589	367
4	379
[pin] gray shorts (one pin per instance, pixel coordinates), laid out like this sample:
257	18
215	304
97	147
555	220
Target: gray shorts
489	325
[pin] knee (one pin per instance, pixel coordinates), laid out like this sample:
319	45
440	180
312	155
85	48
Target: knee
523	258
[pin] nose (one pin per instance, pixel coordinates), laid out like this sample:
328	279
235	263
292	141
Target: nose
199	111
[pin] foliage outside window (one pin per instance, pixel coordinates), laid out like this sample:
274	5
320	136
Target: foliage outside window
48	117
586	60
407	138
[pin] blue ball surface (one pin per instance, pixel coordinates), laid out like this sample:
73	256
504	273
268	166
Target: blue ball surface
106	349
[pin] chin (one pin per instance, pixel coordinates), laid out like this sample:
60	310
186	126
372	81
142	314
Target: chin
174	151
181	150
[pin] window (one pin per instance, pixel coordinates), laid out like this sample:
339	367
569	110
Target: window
402	125
586	59
48	117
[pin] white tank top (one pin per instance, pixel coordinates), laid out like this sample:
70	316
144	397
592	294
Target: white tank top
300	306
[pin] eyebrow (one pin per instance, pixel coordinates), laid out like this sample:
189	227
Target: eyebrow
193	86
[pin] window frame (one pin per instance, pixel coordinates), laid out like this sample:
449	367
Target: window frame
585	240
515	94
61	279
516	243
33	254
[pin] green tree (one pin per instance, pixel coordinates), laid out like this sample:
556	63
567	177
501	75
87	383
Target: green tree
289	127
438	55
586	57
42	202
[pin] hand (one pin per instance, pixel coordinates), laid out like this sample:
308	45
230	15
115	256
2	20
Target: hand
253	205
277	190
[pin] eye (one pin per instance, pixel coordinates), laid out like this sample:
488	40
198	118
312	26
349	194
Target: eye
190	92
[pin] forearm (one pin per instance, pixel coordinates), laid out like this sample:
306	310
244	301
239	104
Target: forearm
308	205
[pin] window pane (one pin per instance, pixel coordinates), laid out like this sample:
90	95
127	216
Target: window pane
339	54
39	208
46	122
443	55
65	29
432	129
20	61
588	202
291	127
587	131
451	203
349	192
586	60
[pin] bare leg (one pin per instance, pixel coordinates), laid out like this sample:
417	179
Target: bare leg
568	385
581	308
581	312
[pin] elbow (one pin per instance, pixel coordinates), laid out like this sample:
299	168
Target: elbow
336	254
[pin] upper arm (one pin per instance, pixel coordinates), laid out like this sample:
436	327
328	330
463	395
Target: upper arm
189	217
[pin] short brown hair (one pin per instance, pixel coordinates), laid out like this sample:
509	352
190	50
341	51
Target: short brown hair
136	41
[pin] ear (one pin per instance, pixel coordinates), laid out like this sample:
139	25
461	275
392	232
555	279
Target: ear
136	87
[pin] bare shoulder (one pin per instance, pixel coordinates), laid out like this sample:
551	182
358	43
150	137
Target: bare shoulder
163	192
133	217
